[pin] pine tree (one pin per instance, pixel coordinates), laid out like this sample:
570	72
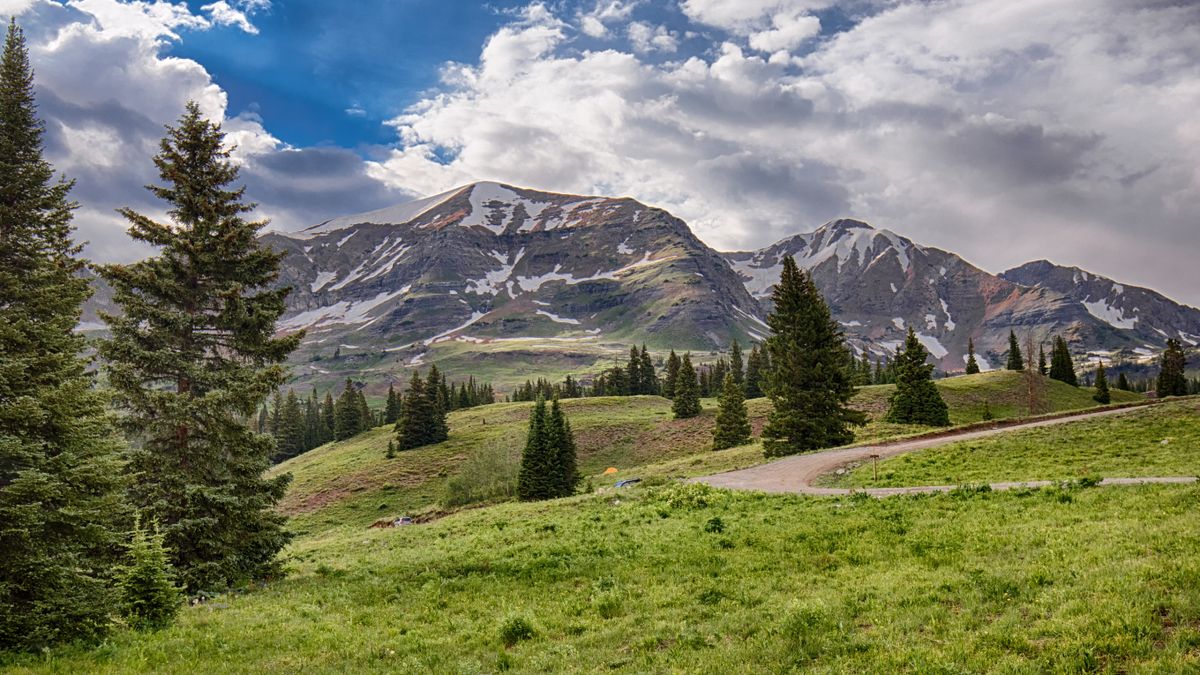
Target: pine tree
672	378
414	427
192	355
1015	362
633	372
809	385
290	435
435	386
1042	369
649	377
1102	395
687	390
328	418
391	449
366	420
150	598
1172	366
754	374
916	399
560	445
347	413
733	424
1123	382
391	411
62	506
535	479
972	364
737	367
1061	367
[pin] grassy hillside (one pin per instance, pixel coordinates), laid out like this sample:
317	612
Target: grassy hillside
353	482
1161	440
694	580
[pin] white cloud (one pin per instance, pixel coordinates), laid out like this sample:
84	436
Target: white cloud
646	38
225	15
949	122
603	12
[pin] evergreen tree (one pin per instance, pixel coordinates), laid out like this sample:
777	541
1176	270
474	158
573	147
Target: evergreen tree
560	446
435	386
290	435
1015	362
672	378
1061	367
192	355
1172	366
972	364
366	420
737	367
536	479
687	390
733	424
1102	395
808	383
61	488
391	449
1123	382
916	399
754	373
1042	369
391	411
649	377
347	413
328	418
633	372
864	369
414	428
150	598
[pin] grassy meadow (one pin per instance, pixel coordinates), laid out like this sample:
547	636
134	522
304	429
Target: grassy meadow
672	577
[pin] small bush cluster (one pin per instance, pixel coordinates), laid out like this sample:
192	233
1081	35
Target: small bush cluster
688	496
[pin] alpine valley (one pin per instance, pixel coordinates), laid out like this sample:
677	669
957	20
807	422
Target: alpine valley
509	283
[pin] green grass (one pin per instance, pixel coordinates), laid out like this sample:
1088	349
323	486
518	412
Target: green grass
649	580
352	482
1160	440
670	577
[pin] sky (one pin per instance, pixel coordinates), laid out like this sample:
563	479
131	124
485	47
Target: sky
1002	130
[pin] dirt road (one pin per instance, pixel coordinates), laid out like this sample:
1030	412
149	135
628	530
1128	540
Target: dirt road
797	474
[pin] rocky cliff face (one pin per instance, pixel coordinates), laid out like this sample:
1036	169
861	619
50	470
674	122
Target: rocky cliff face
489	262
545	283
878	284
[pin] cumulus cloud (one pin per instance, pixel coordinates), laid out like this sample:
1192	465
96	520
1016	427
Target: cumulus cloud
224	14
645	38
958	123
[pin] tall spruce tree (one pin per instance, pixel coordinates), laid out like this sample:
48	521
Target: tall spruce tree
809	384
61	488
649	377
391	410
1042	368
672	378
1102	394
560	446
737	366
536	478
435	388
1015	362
347	420
916	399
972	364
414	428
754	373
733	424
687	390
1172	380
192	355
1061	367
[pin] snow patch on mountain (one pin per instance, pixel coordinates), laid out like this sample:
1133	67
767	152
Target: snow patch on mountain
949	323
343	312
1101	309
392	215
931	343
475	316
557	319
322	279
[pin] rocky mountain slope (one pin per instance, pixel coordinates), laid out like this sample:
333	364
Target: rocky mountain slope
508	283
879	283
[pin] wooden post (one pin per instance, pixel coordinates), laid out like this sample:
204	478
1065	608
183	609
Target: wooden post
875	468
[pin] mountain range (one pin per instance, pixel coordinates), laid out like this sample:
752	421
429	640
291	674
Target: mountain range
536	283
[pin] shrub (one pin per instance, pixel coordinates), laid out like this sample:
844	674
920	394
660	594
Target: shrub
515	629
487	475
714	525
691	496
